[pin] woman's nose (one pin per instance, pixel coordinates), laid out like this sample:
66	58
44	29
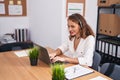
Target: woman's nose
69	28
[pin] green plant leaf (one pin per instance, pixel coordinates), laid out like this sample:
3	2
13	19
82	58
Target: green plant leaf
34	52
58	71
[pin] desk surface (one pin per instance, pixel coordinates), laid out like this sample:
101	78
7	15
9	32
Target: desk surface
19	68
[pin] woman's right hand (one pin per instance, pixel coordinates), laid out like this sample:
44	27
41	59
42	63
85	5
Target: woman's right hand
52	55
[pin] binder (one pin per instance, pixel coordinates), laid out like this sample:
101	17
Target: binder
103	47
21	35
106	48
110	50
114	50
118	52
100	44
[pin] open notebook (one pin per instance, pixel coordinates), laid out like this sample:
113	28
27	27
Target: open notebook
76	71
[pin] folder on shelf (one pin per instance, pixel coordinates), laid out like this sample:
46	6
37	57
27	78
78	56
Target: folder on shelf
110	49
106	48
103	46
99	46
76	71
114	50
118	52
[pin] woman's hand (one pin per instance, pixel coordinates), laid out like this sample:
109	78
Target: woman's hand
55	53
58	58
52	55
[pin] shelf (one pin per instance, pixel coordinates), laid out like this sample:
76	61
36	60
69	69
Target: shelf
112	6
103	35
106	45
115	41
109	39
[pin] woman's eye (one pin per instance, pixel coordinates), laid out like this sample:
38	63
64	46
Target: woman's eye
72	26
68	26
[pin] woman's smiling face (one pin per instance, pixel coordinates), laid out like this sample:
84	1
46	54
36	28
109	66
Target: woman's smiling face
74	28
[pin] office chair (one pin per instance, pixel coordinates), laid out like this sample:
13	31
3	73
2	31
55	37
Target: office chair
111	70
96	61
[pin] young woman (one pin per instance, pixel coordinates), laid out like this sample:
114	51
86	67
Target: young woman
80	44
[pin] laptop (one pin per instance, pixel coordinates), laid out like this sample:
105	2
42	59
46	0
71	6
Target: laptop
44	56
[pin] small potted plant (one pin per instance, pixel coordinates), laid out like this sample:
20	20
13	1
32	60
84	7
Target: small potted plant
58	71
33	56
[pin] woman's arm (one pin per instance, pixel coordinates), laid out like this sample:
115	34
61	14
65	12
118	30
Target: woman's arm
71	60
58	52
66	59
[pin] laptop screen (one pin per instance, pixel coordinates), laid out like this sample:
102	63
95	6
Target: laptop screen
44	55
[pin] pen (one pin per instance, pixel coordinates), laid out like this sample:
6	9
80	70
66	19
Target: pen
74	69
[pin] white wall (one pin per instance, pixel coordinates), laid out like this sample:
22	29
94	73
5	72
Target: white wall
46	22
91	13
8	23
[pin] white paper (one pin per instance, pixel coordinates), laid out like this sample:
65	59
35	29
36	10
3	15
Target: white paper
75	8
98	78
2	8
15	9
76	71
21	53
1	0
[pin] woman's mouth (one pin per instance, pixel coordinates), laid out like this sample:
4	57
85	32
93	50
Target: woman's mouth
71	33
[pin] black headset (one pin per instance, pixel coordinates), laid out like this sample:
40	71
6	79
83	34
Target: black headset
80	22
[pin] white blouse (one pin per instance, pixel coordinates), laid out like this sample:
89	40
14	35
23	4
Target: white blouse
84	51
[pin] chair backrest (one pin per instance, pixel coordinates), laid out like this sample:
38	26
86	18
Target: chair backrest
96	61
111	70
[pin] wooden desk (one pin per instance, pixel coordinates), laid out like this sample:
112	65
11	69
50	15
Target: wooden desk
19	68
